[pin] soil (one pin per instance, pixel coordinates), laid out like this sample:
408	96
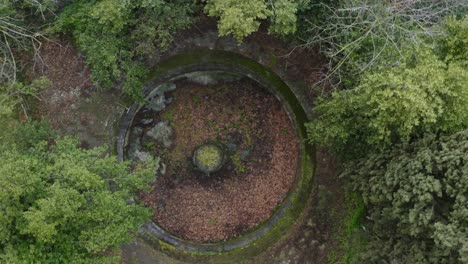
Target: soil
260	141
60	63
72	105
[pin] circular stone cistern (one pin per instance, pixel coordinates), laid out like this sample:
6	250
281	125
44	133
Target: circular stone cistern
222	66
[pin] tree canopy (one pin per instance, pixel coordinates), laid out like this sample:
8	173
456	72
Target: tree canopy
117	36
417	201
358	36
426	92
243	17
401	130
62	204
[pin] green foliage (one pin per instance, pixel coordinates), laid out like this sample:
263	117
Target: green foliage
63	204
416	198
454	47
26	135
349	230
422	94
12	94
117	35
415	193
239	18
243	17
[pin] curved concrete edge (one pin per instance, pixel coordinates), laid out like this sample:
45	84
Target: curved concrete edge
150	230
283	218
124	128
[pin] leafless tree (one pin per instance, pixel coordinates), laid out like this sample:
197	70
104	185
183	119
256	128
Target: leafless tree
380	25
12	39
15	37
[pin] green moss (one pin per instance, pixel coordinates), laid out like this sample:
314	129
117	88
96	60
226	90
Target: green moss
208	157
356	240
273	60
213	221
237	162
165	246
168	115
357	211
196	100
349	232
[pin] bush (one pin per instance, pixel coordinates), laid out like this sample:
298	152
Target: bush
63	204
417	201
13	94
453	47
241	18
116	36
391	105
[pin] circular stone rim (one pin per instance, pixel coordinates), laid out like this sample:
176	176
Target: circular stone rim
202	166
283	218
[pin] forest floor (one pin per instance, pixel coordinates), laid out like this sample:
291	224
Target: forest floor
75	107
261	148
317	237
72	105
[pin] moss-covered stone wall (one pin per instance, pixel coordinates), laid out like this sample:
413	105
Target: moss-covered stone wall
234	250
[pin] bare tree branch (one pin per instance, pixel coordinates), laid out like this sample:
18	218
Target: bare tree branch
379	26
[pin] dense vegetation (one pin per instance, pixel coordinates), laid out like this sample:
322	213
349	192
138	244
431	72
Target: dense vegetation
242	18
58	202
425	92
398	120
396	117
63	204
117	36
416	196
359	36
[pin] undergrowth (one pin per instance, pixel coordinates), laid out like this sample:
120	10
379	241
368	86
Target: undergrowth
350	231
